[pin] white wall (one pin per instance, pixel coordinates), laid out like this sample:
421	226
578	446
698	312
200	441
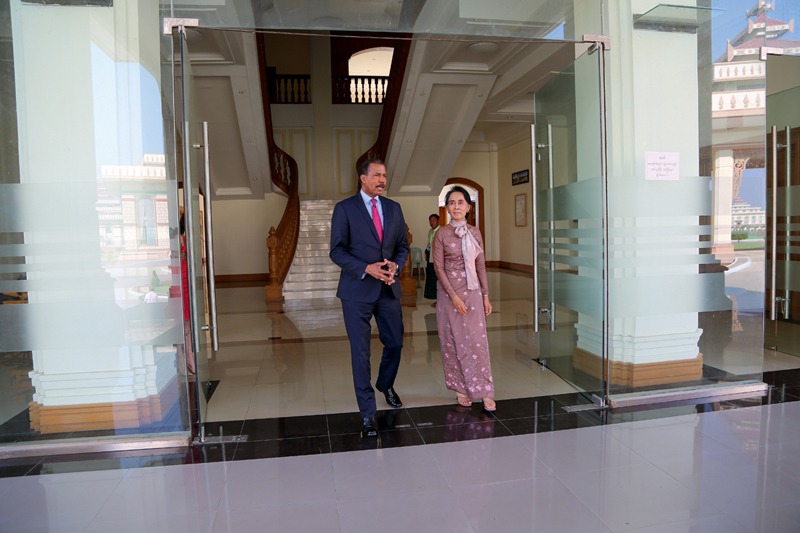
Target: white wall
416	210
481	167
516	244
241	228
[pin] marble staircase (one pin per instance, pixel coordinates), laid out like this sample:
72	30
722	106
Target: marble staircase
312	274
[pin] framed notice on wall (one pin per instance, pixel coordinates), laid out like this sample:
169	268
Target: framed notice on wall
662	166
520	214
520	176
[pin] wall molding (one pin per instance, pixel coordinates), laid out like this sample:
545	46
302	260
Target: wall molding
515	267
48	419
242	278
644	374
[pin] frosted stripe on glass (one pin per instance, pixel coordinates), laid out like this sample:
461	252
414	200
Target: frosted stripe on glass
688	293
633	196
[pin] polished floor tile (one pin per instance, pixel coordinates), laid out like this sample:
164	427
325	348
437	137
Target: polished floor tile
386	474
542	503
284	450
486	461
319	517
433	510
637	495
726	471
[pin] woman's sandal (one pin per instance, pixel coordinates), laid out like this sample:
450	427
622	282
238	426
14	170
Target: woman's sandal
489	406
463	400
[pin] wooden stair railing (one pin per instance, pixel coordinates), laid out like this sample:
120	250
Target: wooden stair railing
282	242
391	100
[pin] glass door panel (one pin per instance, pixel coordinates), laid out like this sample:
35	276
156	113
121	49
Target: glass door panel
569	228
192	147
782	324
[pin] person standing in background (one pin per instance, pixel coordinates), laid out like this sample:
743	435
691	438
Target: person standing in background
429	291
188	359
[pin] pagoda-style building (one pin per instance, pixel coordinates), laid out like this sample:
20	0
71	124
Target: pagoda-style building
738	109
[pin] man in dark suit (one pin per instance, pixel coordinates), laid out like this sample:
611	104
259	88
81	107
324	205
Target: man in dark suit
369	243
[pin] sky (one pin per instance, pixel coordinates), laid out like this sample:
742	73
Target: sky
127	107
729	19
727	22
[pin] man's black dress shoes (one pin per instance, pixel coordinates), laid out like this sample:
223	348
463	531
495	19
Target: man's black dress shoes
369	428
392	398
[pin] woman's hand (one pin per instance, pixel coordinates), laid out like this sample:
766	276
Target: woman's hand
487	305
458	303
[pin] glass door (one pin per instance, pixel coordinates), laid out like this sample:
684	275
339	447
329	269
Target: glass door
782	324
569	230
198	233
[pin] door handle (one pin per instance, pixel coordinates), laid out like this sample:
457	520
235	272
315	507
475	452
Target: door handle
210	271
788	233
773	315
544	311
535	225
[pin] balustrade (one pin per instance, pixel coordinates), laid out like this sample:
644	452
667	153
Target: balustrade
734	103
290	89
738	71
360	89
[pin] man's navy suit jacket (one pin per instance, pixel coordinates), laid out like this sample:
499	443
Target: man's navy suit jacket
355	244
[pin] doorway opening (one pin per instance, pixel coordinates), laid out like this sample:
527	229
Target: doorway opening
294	361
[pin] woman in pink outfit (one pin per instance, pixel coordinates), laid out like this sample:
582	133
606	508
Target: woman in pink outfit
461	271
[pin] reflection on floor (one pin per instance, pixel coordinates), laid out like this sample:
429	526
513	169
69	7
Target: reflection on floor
297	361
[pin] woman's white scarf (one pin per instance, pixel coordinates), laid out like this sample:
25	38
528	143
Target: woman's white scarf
470	249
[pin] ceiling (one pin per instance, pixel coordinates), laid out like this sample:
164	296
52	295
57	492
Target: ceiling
458	93
227	95
466	94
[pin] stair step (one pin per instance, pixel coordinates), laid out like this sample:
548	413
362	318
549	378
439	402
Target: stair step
309	268
315	223
311	285
316	268
308	253
310	277
314	233
302	254
312	274
315	240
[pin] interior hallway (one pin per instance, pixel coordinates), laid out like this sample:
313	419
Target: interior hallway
297	361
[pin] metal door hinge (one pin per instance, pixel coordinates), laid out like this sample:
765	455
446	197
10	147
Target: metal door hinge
170	23
599	41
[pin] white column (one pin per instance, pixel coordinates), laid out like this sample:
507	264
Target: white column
724	175
80	73
655	227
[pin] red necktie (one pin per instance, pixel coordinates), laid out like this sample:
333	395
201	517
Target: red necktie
376	219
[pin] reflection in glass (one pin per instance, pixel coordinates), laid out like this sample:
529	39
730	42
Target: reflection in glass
91	342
